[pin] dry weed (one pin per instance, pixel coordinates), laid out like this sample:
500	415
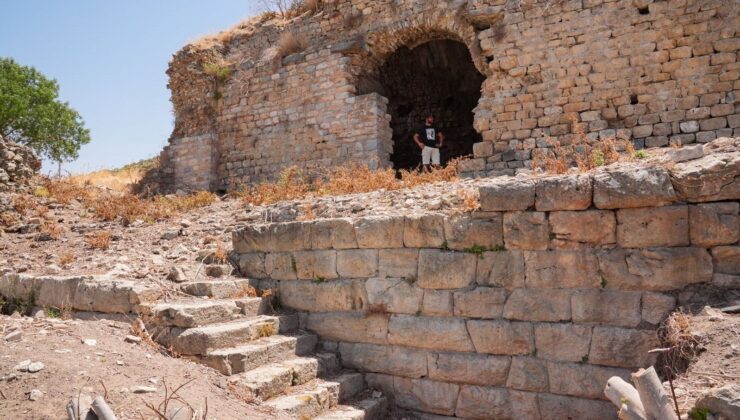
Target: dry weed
307	213
99	240
8	219
289	43
681	345
470	200
220	255
23	203
53	229
246	291
66	258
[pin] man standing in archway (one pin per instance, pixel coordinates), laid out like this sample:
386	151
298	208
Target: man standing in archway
429	139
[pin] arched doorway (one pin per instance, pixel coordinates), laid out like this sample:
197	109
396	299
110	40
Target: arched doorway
436	77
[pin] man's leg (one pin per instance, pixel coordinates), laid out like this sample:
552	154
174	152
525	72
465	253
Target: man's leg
435	157
426	157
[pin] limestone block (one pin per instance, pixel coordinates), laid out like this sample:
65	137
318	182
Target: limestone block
566	192
556	407
727	281
357	263
561	269
333	233
464	232
425	395
56	292
399	263
507	195
711	178
274	237
714	224
633	187
526	230
605	306
564	342
655	269
649	227
429	333
478	402
656	307
251	238
19	286
379	232
423	231
524	405
316	265
437	303
445	270
551	305
476	369
380	382
501	337
393	295
528	374
281	266
400	361
581	380
337	295
253	265
726	259
353	327
622	347
481	302
501	269
107	296
582	229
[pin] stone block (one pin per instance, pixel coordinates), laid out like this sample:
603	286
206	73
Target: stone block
352	327
379	232
316	265
727	281
501	337
726	259
429	333
281	266
423	231
464	232
399	361
476	369
563	342
633	187
651	227
102	294
483	149
582	229
507	195
556	407
252	238
478	402
526	230
357	263
446	270
55	292
481	302
713	224
501	269
528	374
711	178
252	265
333	233
561	269
605	306
285	237
581	380
622	347
550	305
566	192
425	395
393	295
655	269
329	296
656	307
437	303
380	382
399	263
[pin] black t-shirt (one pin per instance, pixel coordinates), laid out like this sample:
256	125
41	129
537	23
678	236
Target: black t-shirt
428	135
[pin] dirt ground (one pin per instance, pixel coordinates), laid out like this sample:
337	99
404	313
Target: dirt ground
71	367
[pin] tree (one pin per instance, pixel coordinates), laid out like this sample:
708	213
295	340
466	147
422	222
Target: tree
32	114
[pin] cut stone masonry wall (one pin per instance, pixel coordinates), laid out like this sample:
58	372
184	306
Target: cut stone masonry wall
523	309
653	72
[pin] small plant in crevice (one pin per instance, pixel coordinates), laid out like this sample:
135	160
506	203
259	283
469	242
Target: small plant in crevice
220	71
52	312
293	264
497	248
445	246
603	280
319	280
641	154
534	353
418	312
584	359
266	330
699	413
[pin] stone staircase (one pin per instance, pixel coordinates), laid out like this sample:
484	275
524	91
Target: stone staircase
265	355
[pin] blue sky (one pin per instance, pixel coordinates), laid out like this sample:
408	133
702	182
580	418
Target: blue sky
110	60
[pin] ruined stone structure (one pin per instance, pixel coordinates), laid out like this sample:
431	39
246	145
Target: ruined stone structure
350	81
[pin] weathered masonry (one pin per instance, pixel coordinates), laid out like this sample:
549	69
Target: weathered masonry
522	310
349	83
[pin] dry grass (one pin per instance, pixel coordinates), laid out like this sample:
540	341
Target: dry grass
53	229
289	43
681	344
99	240
470	200
295	184
66	258
120	181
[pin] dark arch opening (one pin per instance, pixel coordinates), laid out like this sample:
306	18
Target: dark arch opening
437	77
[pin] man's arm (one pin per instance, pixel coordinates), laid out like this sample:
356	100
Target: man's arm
417	140
441	138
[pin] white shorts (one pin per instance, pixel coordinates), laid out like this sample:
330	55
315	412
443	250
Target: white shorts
430	154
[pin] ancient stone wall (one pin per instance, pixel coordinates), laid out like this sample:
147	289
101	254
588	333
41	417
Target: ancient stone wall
523	309
18	165
653	72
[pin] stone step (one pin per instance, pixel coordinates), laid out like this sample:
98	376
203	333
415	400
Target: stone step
206	339
308	403
192	313
275	378
218	289
288	322
244	358
366	409
328	364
